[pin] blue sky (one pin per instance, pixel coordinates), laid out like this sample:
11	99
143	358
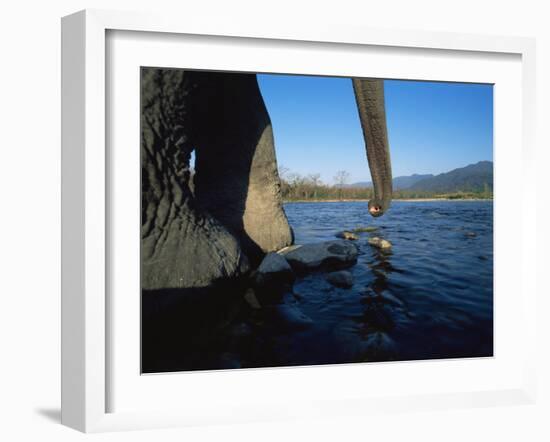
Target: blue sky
432	127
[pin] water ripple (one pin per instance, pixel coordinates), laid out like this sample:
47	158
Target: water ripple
430	297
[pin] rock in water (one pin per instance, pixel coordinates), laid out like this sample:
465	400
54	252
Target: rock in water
347	235
274	269
343	279
325	255
380	243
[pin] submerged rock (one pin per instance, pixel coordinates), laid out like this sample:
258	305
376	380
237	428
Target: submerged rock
343	279
274	269
346	234
325	255
380	243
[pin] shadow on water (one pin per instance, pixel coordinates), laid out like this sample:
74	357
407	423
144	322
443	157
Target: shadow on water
377	318
429	297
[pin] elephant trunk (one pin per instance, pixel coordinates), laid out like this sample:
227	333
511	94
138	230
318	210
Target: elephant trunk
369	94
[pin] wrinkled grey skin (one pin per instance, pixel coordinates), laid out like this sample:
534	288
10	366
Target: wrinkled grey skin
234	216
369	95
237	179
182	246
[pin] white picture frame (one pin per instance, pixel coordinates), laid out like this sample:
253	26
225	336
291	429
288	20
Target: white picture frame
86	317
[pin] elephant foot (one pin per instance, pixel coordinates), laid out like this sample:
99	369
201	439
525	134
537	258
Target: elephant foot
190	251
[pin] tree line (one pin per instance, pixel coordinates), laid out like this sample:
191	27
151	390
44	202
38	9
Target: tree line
297	187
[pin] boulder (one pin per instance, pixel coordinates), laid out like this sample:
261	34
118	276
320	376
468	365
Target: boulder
380	243
325	255
346	234
274	269
342	278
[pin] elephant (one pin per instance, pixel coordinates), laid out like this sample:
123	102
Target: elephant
218	224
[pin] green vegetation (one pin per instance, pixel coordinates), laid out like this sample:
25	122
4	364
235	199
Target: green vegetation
459	195
295	187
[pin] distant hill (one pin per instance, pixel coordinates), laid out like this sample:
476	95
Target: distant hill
473	178
405	182
399	183
360	184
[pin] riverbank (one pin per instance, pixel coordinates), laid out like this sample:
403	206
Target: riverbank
408	200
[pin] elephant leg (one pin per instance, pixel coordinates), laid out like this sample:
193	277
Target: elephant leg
181	247
236	169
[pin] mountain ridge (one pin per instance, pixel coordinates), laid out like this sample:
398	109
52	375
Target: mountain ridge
474	177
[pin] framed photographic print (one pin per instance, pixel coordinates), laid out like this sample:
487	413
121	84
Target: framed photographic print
261	223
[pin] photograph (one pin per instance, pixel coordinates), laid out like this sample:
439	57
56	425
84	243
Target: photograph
304	220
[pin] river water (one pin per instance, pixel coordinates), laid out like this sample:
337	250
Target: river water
430	296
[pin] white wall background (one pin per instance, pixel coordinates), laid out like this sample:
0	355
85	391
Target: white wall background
30	216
